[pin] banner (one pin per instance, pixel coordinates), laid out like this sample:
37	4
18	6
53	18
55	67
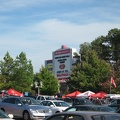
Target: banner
113	82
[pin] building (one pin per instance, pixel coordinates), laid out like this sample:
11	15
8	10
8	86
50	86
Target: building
61	64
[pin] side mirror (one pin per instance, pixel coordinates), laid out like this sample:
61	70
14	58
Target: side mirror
19	104
51	105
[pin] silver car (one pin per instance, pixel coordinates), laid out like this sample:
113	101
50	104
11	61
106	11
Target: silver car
59	104
24	107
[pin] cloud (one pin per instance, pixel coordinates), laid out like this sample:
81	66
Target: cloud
39	40
39	27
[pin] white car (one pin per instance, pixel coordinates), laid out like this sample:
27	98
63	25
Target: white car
56	105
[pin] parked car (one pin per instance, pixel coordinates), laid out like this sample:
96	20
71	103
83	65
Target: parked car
24	107
61	105
100	101
90	108
84	115
81	101
40	98
115	103
4	116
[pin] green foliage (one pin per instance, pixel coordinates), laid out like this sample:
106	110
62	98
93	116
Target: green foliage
16	74
49	82
88	74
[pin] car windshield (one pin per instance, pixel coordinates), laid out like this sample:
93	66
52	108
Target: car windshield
86	101
61	104
29	101
49	98
107	109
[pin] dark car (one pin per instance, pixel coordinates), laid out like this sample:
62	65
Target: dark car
81	101
84	115
90	108
100	101
115	103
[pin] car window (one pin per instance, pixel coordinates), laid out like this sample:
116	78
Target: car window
118	101
75	117
115	107
106	117
62	104
72	109
114	102
84	108
50	103
39	98
106	109
97	118
57	117
76	102
44	103
42	98
17	102
29	101
9	100
112	117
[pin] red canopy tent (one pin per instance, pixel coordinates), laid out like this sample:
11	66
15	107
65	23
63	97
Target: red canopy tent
14	92
100	94
73	94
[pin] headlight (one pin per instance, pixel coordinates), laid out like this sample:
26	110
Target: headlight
50	111
33	111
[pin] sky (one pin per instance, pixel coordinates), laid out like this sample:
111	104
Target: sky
39	27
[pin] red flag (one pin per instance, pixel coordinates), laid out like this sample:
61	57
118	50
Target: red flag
113	82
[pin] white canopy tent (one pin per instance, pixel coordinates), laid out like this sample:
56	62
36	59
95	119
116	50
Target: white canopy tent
85	94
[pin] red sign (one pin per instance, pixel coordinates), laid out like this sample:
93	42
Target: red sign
62	52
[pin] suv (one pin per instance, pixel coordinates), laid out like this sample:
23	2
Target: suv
81	101
39	98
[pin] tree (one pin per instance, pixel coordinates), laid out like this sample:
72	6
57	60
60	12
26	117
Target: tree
49	82
108	47
88	74
113	38
6	70
22	77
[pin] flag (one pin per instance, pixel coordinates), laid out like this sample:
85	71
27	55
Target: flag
113	82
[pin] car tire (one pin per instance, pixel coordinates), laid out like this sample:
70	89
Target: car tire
26	116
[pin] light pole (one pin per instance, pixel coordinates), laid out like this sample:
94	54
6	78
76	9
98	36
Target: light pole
38	86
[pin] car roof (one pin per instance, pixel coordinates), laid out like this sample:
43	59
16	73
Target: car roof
90	105
87	112
17	97
53	100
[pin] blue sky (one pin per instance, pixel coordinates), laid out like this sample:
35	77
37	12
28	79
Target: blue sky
39	27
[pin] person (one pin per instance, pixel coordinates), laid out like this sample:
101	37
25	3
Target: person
2	95
59	95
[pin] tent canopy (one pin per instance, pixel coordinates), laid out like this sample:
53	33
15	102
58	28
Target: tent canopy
73	94
14	92
100	94
85	94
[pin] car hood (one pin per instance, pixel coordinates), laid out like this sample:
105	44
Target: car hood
35	107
